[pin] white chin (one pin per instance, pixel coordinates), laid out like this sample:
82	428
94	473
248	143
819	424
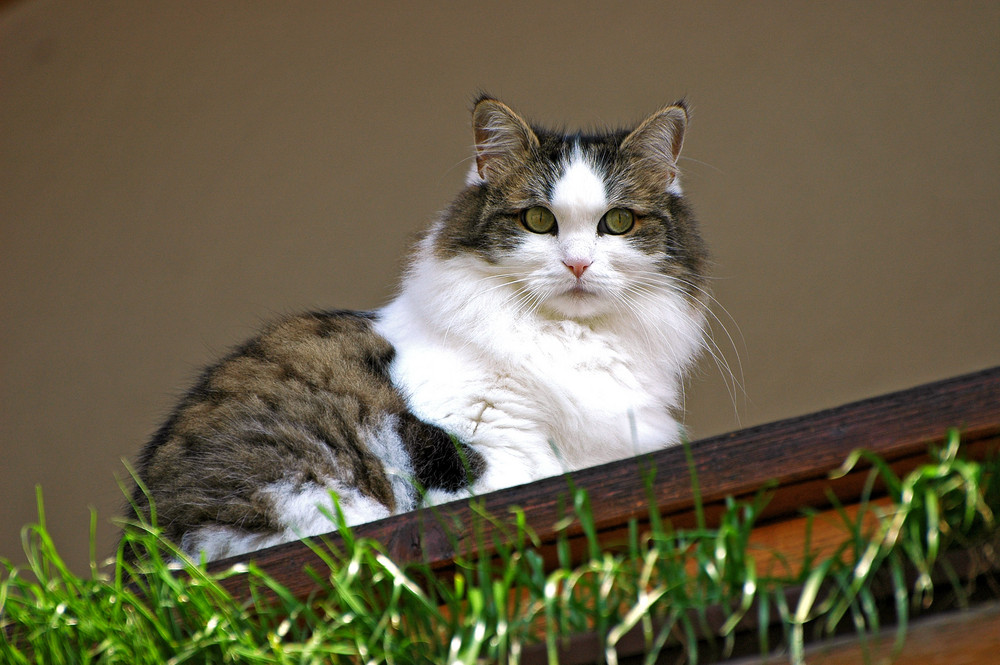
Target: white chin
576	305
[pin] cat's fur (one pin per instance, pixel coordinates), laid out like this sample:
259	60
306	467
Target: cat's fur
508	355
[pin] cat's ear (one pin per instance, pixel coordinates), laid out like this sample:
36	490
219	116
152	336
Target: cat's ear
503	139
657	141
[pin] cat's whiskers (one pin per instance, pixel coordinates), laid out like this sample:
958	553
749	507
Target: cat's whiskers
734	385
711	348
535	300
711	301
643	302
700	163
708	344
521	300
529	300
508	279
636	310
639	299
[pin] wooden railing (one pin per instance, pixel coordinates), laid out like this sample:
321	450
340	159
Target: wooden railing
798	454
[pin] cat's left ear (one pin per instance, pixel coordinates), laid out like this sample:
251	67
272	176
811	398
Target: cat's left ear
657	141
503	140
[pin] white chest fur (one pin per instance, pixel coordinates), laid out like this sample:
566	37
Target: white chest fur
535	396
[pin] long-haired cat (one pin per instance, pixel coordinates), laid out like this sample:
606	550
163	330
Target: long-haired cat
544	323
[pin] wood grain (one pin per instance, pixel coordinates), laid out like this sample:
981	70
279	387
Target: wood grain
970	637
798	454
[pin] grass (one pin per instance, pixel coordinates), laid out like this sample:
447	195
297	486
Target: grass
367	609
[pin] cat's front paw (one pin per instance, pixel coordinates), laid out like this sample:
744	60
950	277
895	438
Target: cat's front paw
499	477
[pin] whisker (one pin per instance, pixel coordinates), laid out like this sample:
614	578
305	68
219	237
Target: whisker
655	280
700	163
508	279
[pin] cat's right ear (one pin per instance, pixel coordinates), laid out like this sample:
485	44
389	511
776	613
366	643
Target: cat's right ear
503	140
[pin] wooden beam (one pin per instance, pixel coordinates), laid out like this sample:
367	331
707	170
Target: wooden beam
970	637
798	454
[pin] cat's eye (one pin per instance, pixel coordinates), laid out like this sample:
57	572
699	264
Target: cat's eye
617	221
538	219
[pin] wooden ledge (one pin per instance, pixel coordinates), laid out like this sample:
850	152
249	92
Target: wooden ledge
798	454
970	637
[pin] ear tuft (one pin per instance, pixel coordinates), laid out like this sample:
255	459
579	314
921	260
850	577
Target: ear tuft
503	139
657	142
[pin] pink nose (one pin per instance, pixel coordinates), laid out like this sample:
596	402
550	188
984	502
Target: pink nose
577	266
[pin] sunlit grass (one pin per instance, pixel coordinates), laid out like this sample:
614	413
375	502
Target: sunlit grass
367	609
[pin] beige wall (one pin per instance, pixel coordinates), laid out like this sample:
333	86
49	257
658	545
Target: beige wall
171	173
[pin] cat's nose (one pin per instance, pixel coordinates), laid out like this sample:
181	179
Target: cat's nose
577	266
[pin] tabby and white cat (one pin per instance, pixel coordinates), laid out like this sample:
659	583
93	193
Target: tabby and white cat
544	324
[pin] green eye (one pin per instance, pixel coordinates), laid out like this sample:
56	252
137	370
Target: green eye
538	220
617	221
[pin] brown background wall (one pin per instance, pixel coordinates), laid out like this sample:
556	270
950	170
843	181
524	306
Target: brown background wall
172	173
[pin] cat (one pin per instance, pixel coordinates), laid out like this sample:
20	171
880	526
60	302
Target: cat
545	323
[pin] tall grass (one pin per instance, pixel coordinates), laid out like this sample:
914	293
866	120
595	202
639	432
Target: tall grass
668	586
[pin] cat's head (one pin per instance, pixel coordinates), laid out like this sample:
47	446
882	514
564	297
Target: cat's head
577	225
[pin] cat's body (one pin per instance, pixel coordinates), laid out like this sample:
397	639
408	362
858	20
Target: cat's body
544	324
